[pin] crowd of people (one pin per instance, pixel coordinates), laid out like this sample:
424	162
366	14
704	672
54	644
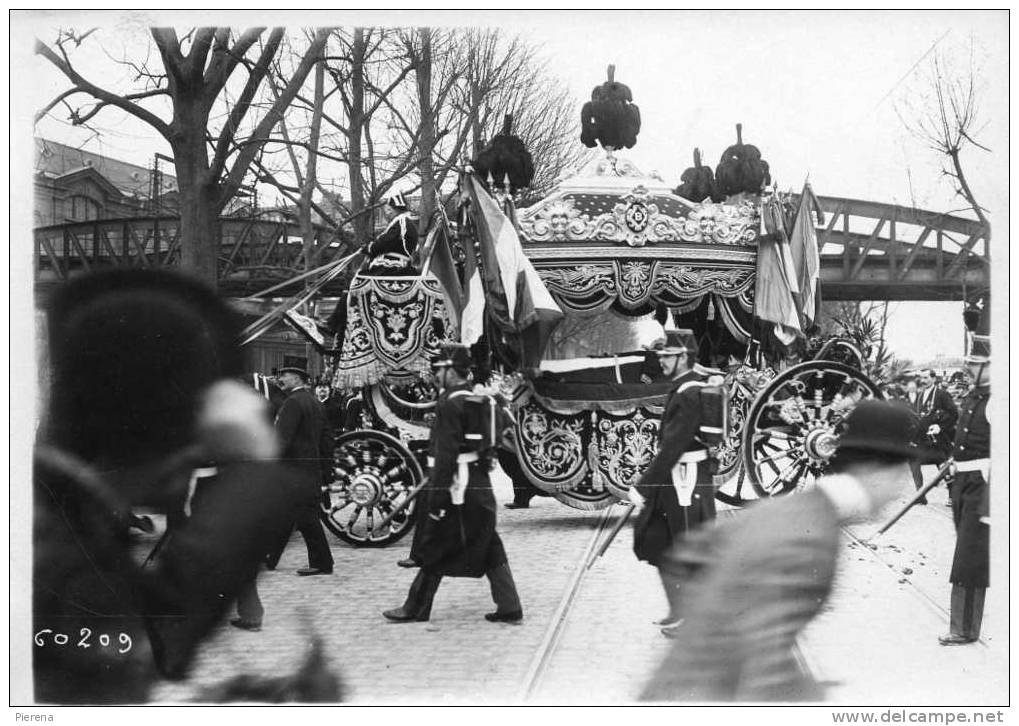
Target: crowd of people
235	479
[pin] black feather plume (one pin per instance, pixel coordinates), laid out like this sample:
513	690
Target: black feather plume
506	156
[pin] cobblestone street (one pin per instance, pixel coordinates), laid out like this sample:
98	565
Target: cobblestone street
875	642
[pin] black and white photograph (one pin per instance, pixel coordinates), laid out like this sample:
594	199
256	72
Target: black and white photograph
510	358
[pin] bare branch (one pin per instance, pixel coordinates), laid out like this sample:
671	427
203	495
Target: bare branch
103	95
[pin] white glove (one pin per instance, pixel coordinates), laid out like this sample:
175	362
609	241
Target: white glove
934	430
634	496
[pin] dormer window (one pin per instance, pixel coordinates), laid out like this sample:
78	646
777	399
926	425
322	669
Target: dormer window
84	209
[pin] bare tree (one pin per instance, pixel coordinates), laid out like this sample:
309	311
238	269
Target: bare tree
943	112
196	74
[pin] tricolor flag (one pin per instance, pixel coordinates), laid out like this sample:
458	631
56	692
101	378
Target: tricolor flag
805	256
440	263
518	301
776	283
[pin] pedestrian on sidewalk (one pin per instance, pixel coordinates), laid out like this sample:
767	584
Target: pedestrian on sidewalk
675	495
936	426
457	536
762	578
307	448
969	491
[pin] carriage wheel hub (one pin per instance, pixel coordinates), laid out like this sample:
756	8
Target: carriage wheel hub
365	488
820	444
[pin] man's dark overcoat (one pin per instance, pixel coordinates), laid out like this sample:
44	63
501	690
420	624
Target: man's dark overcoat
456	540
937	407
305	440
662	520
969	492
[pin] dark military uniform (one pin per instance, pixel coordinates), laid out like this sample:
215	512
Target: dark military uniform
969	492
663	519
390	252
456	539
306	447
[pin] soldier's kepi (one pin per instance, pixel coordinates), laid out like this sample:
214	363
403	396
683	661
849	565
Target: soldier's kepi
675	494
455	535
970	495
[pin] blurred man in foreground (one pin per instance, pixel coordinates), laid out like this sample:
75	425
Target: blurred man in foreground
758	581
142	395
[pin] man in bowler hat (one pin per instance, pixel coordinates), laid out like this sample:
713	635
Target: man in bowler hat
307	448
457	536
755	583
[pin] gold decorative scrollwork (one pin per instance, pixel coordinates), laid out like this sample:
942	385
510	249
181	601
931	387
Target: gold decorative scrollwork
634	279
626	447
551	447
637	220
634	282
556	222
689	281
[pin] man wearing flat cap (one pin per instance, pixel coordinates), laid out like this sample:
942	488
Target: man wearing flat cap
456	536
306	444
753	584
970	493
675	494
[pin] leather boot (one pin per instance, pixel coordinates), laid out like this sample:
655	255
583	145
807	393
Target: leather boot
418	606
504	594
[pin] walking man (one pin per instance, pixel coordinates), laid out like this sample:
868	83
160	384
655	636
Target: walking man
306	444
760	580
457	537
970	491
675	493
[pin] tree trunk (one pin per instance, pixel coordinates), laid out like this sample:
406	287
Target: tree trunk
200	204
310	175
361	220
425	165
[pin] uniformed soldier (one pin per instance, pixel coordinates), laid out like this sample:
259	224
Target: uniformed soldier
391	253
675	493
969	491
457	536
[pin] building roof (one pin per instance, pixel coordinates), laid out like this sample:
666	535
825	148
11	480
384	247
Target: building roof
54	160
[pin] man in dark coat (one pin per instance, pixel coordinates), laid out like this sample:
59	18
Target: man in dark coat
758	581
938	415
457	537
307	448
141	367
675	494
970	491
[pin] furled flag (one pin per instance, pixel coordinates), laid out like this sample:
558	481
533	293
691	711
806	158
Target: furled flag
806	257
518	301
439	260
776	282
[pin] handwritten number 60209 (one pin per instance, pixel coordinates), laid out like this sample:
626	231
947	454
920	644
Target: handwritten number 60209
85	634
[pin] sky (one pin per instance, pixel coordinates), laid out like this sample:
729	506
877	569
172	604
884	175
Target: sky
815	91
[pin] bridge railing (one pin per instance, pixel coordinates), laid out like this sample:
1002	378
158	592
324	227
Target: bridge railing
252	251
